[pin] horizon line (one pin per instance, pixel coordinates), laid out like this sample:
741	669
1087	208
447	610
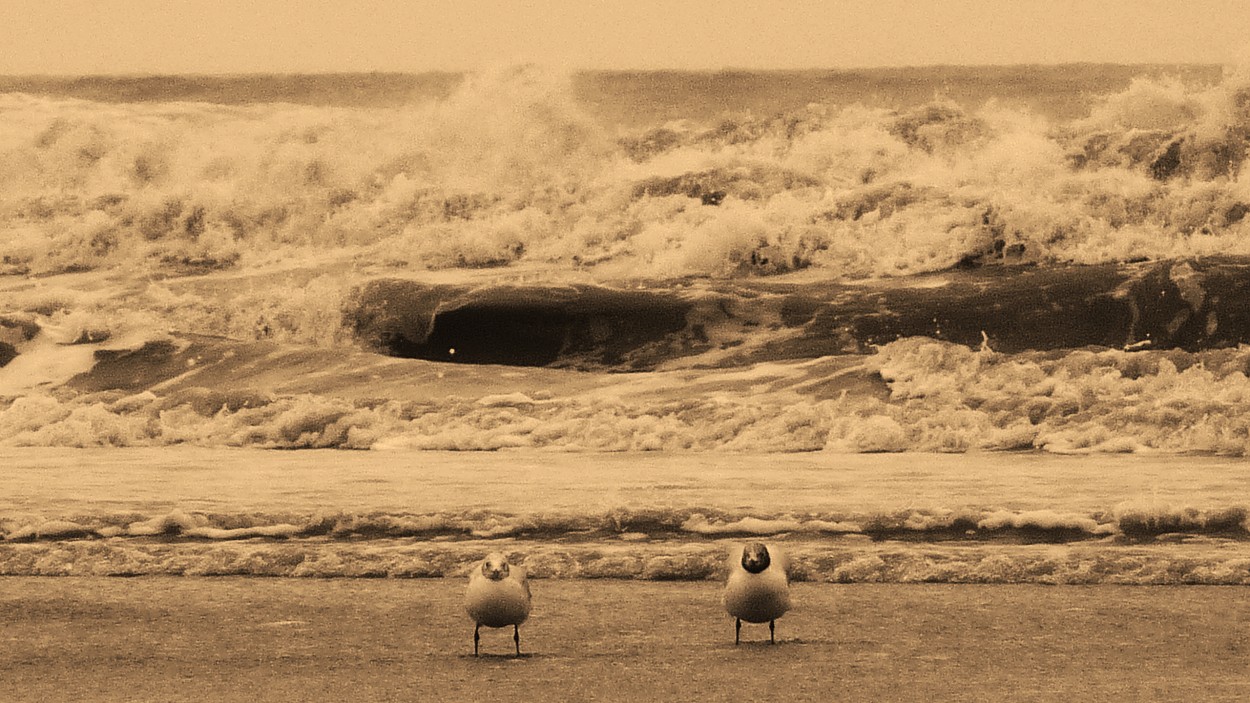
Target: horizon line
703	70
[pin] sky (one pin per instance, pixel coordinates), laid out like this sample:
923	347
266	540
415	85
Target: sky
243	36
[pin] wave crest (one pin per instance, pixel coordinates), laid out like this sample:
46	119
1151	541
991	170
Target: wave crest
510	167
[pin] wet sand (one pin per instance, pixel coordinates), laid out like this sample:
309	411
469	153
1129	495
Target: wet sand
249	639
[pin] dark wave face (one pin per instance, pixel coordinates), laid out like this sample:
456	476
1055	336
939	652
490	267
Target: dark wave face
1191	305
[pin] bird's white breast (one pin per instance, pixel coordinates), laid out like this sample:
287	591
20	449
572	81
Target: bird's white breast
497	603
757	597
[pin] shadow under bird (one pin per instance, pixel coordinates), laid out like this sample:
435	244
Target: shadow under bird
758	589
498	596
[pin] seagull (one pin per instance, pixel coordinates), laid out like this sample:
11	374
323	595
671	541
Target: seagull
498	596
758	589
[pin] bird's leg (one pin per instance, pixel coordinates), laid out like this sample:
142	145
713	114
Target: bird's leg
476	637
516	637
737	630
772	631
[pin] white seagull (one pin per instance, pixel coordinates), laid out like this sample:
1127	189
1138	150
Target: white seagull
758	589
498	596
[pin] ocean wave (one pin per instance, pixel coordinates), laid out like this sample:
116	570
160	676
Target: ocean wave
913	394
1210	563
1128	522
1188	304
221	275
510	168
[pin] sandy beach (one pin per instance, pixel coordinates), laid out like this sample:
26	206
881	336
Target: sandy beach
238	639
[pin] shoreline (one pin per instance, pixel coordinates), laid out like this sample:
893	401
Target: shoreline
237	639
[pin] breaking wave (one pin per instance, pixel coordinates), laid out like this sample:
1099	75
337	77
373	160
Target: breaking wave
223	274
511	169
914	394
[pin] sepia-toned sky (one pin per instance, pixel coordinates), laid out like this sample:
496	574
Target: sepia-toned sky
228	36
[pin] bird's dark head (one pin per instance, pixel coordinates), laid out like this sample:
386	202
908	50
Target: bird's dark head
755	557
495	566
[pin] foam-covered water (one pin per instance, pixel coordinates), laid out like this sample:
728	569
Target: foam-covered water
512	168
982	518
915	394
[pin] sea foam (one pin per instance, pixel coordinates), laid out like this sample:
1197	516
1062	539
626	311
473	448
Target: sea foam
914	394
511	168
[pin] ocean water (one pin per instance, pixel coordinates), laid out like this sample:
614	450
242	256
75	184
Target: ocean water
966	324
849	518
